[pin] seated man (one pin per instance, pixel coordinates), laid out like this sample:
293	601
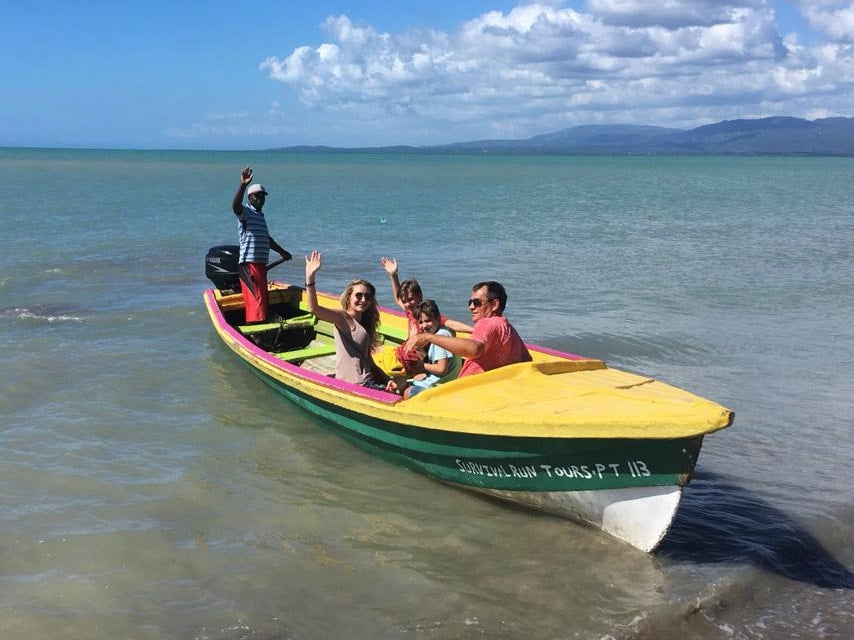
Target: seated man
493	343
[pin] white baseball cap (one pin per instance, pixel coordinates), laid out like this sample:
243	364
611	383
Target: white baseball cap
256	188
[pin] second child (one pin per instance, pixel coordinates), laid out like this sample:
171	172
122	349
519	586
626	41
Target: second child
438	365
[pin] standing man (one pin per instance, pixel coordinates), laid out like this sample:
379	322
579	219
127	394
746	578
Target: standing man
493	343
255	245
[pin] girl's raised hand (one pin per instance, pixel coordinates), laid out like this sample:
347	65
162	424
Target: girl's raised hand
389	264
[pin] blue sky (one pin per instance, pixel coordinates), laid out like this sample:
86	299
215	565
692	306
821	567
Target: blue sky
224	75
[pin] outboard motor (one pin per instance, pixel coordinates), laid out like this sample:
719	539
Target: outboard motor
221	267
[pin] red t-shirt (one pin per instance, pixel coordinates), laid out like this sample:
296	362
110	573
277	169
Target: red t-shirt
502	346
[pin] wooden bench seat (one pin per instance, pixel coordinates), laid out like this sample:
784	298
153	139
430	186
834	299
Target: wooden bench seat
299	355
392	334
301	322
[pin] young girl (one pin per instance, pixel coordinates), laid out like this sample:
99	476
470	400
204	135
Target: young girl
355	328
439	365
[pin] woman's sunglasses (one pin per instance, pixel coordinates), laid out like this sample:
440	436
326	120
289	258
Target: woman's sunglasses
366	295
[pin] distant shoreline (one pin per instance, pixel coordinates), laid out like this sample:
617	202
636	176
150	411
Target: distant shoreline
775	136
415	151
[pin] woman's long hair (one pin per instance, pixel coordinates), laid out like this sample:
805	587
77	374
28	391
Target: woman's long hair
371	316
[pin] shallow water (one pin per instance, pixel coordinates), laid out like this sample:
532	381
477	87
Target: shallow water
152	487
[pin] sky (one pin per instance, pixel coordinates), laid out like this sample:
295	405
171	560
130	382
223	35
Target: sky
264	74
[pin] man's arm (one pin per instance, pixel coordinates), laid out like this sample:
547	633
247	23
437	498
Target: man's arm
456	326
463	347
237	200
278	249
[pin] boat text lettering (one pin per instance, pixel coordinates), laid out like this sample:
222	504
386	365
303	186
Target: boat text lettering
496	471
598	470
635	468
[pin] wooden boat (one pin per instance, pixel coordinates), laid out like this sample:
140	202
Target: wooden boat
563	433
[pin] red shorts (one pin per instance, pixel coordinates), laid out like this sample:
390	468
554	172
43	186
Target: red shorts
253	284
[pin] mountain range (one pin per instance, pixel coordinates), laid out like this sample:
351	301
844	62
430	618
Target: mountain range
779	135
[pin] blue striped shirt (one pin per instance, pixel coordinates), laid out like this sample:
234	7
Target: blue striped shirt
254	237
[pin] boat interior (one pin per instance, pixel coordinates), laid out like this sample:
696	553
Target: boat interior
293	334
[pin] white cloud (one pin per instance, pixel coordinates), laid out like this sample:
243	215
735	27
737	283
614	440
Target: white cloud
670	14
834	18
543	65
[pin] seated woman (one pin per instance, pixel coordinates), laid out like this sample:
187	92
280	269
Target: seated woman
355	328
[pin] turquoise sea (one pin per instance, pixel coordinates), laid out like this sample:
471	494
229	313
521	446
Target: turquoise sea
152	488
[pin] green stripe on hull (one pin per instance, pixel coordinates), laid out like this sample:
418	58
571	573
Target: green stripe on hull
514	464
